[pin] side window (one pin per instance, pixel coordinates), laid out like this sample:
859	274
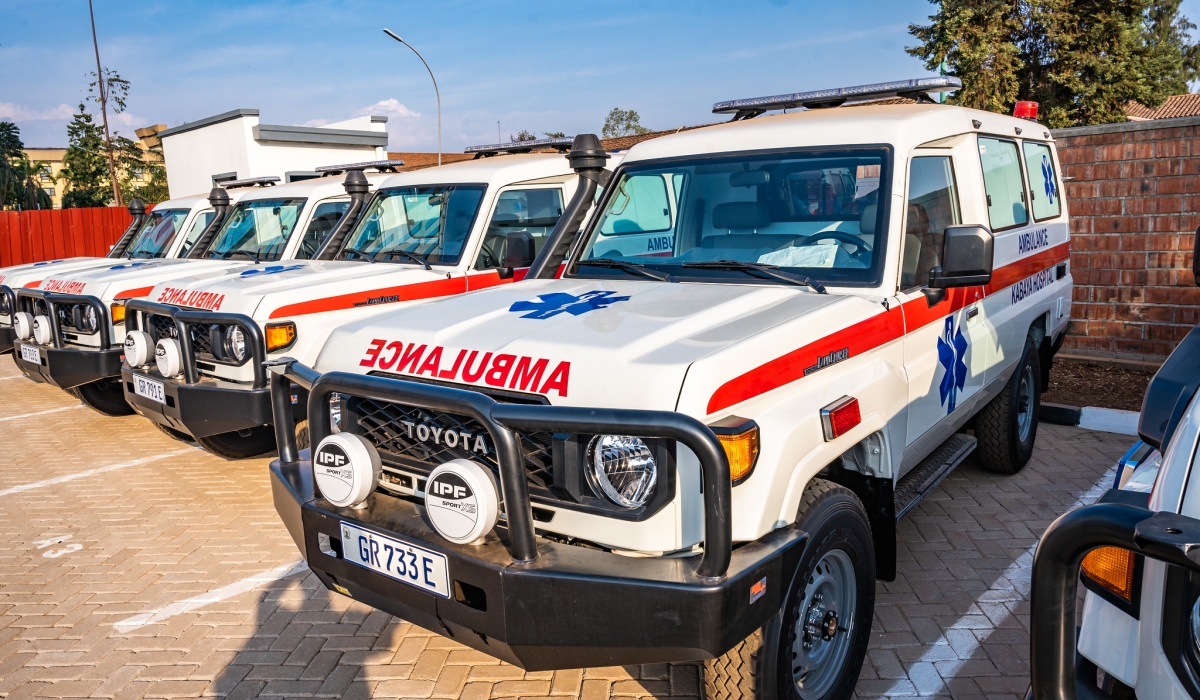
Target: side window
641	206
932	206
1002	183
534	211
325	217
1043	184
202	221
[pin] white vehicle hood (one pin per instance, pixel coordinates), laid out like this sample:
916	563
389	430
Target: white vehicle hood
31	274
298	287
132	278
604	343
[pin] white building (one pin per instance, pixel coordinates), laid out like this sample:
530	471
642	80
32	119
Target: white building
234	145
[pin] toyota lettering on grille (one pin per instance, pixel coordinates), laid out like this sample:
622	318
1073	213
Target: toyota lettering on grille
447	437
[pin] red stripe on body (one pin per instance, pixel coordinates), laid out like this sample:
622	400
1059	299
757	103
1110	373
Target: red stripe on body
876	331
132	293
407	292
32	285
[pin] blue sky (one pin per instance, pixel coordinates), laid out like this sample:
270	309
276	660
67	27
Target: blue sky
541	66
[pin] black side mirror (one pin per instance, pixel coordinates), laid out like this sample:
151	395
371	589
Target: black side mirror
967	256
520	252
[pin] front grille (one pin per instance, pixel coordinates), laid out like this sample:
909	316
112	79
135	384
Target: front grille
162	327
201	339
395	430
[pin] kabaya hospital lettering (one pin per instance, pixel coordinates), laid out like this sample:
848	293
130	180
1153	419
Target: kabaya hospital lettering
500	370
63	286
210	301
1036	283
1032	240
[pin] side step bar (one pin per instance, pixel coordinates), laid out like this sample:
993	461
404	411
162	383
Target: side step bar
929	473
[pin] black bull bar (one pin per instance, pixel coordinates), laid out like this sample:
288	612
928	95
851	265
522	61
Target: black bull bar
539	603
1167	537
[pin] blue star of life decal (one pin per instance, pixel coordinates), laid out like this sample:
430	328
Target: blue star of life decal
952	351
1048	177
270	270
562	303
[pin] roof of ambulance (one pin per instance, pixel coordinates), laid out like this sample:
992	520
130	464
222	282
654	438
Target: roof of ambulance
497	170
904	126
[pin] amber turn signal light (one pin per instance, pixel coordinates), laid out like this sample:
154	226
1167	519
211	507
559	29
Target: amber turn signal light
280	335
1112	569
739	437
118	312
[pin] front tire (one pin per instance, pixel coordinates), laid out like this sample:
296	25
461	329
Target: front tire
106	396
241	444
813	648
1006	427
173	433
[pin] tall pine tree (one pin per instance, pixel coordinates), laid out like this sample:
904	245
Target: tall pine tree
85	166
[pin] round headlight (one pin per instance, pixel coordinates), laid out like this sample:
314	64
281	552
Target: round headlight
5	305
235	343
41	330
139	348
168	357
90	319
623	469
23	325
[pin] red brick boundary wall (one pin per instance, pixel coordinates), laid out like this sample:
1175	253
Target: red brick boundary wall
1134	197
34	236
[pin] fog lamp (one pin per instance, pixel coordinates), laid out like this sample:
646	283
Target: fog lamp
139	348
235	343
623	469
23	325
168	357
280	335
41	330
1112	569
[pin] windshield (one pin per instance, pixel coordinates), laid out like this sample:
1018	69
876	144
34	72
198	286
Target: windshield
156	233
432	221
811	213
257	228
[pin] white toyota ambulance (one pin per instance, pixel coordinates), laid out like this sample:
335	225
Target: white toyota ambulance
149	235
424	234
771	340
71	327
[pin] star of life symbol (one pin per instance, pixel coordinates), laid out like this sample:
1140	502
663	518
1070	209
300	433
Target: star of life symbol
952	350
560	302
1048	178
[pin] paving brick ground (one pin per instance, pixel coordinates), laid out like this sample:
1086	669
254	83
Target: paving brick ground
155	523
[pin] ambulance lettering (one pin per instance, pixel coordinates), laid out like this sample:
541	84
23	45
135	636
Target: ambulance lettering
209	301
63	286
1032	240
1033	284
660	244
500	370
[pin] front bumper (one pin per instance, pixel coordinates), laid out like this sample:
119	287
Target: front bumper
8	335
69	367
200	409
521	597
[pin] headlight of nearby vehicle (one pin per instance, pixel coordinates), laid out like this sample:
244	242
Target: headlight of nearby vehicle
91	320
118	312
235	343
622	468
280	336
5	305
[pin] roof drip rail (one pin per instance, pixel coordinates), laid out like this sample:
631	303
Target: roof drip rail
562	144
261	181
918	89
383	166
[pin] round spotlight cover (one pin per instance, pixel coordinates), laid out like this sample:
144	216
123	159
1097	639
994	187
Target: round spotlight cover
462	501
41	330
168	357
23	324
346	468
138	348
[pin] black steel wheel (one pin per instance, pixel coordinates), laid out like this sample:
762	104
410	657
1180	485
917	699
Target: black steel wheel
105	396
241	444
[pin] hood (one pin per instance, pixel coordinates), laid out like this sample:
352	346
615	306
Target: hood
132	278
33	273
298	287
608	343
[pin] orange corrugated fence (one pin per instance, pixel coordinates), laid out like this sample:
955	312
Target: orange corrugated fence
34	236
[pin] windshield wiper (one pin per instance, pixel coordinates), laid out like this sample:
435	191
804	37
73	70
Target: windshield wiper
248	253
768	270
411	256
140	254
636	268
360	253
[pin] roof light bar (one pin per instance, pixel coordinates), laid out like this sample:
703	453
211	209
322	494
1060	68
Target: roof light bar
561	144
262	181
383	166
917	88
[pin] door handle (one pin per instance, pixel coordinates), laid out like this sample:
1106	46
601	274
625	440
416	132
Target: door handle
973	312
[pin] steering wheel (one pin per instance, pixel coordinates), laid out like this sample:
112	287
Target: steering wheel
860	246
489	253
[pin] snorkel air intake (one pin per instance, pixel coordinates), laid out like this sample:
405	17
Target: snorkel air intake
357	187
219	199
587	158
138	211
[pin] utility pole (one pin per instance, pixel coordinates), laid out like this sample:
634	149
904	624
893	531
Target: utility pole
112	162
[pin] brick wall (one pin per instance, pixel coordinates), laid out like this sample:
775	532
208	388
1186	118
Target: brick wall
1134	198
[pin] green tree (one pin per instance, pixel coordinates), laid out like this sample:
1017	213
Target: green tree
12	151
978	42
30	194
85	164
132	160
622	122
522	135
556	135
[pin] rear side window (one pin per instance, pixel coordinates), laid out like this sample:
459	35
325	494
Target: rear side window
932	206
1043	184
1003	184
534	211
324	219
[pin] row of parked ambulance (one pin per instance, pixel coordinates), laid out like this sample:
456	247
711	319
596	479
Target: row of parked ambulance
589	409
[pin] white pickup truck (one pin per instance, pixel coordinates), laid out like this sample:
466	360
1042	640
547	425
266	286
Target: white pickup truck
423	235
695	440
149	235
71	327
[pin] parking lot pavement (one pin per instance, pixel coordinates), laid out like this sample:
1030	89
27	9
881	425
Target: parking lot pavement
133	565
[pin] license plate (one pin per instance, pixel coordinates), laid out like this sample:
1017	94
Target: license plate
395	559
155	391
29	353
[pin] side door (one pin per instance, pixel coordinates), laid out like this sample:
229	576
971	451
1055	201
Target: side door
188	234
324	217
946	342
533	210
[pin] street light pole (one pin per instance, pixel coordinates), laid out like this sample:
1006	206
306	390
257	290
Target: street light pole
435	87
